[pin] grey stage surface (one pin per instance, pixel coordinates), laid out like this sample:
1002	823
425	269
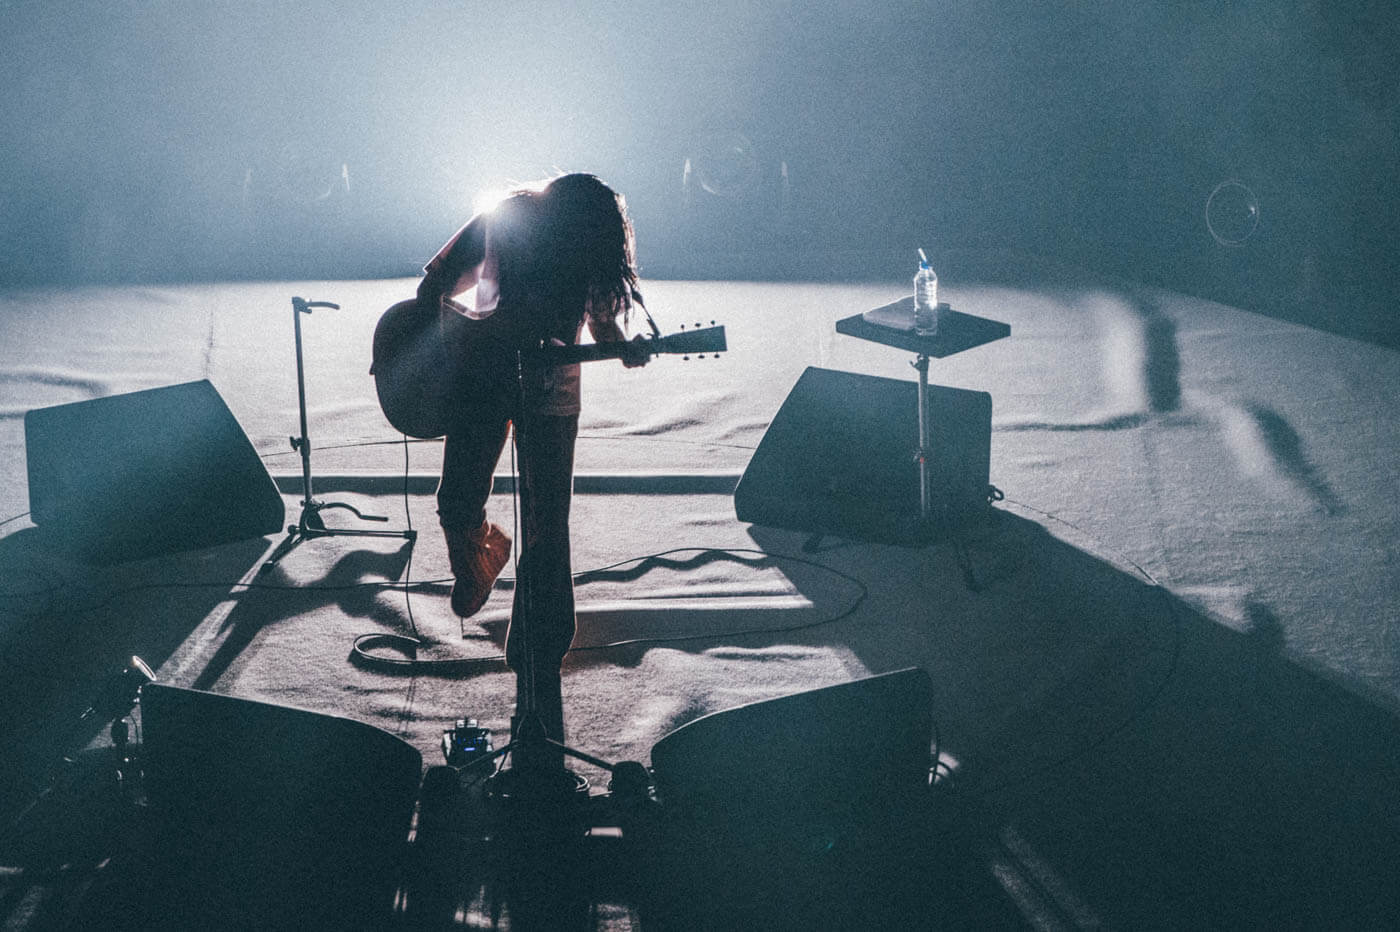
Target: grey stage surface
1166	677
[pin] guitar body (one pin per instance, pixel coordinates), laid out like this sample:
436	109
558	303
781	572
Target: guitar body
417	374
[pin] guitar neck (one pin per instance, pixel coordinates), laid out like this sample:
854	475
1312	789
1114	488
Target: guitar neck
585	352
709	340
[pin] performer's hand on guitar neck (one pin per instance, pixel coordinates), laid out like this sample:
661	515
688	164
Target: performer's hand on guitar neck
635	353
638	353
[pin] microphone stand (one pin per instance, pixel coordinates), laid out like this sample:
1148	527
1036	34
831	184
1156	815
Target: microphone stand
311	524
533	751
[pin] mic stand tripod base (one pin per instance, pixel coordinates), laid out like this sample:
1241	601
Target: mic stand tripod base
537	774
312	525
553	848
541	791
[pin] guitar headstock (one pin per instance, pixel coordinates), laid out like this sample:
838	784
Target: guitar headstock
700	341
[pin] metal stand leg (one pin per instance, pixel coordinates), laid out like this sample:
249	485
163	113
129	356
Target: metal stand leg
311	525
922	452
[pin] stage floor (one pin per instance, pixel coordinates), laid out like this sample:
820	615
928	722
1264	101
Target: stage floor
1167	674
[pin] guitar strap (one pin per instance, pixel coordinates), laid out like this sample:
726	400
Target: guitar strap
637	300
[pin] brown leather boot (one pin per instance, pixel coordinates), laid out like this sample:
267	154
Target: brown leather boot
477	558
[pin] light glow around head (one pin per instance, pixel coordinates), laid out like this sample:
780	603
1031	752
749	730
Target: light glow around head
486	201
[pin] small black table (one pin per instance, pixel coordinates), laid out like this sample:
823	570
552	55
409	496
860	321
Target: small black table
956	332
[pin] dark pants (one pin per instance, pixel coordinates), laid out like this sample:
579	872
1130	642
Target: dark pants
542	616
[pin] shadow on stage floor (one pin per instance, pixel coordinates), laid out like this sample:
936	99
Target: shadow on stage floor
1119	758
1107	754
67	627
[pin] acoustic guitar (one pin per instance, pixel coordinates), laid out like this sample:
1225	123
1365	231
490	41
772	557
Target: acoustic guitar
424	360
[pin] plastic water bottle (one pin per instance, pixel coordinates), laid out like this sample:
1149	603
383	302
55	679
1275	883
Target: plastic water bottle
925	299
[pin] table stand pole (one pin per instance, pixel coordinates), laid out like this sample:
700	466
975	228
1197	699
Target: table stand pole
921	455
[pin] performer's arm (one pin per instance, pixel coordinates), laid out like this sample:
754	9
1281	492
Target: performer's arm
455	267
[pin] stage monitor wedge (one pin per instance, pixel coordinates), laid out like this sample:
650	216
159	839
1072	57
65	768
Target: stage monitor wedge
805	811
265	816
839	458
148	472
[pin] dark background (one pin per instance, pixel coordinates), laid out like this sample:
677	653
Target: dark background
165	140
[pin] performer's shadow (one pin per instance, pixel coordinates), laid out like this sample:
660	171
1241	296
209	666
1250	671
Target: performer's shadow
353	585
619	631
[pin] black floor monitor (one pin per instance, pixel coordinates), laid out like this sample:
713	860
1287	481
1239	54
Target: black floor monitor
806	811
839	458
265	816
144	473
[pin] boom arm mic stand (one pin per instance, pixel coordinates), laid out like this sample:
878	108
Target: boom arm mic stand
311	524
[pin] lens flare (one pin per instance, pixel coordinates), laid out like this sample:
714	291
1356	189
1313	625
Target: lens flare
1232	213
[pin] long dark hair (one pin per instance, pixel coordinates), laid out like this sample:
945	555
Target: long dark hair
568	244
597	250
